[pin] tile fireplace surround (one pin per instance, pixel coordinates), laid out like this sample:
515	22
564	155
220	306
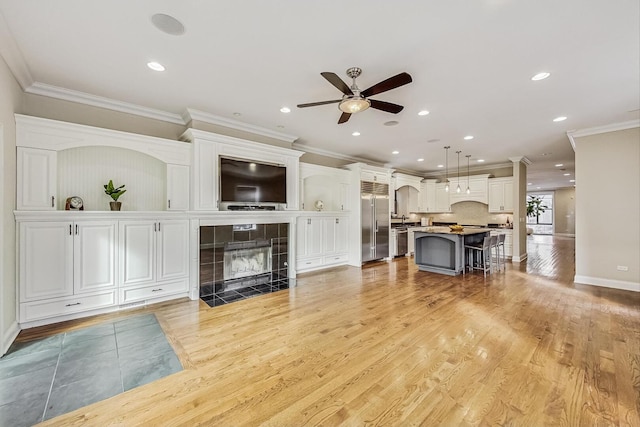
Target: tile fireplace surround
217	240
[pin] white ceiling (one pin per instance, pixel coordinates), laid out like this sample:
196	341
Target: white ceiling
471	63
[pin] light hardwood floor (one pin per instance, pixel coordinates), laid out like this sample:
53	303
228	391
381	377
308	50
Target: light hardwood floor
390	345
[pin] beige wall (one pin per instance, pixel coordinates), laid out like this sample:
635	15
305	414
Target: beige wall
564	211
608	209
10	102
66	111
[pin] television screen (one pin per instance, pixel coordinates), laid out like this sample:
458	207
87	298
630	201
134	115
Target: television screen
251	182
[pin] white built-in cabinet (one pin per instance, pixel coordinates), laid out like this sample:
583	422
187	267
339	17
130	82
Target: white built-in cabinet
322	241
207	148
36	180
79	266
501	194
329	185
177	187
66	267
154	258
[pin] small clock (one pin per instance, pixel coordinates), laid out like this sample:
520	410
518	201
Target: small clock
74	203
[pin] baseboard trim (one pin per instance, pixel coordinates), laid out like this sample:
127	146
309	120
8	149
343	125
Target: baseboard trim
10	336
607	283
521	258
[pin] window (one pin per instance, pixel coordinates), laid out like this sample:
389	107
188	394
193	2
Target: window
543	224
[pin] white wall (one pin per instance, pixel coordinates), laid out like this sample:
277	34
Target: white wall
608	209
10	102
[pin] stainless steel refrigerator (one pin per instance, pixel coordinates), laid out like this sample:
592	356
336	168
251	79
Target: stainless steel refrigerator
374	199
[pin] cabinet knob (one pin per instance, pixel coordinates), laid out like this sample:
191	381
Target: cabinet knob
156	290
53	202
71	305
169	204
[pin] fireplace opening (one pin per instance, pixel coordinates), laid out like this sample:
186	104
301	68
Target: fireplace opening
240	261
244	259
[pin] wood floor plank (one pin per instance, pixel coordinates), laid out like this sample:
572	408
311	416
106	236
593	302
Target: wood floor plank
388	344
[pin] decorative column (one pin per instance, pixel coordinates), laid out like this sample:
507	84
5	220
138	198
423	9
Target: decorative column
519	208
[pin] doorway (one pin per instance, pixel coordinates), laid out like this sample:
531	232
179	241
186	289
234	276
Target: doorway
542	223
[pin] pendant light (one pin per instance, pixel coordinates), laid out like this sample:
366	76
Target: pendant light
446	168
458	189
468	188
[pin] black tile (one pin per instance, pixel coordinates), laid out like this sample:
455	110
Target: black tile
206	290
207	235
271	231
247	292
223	233
284	230
232	297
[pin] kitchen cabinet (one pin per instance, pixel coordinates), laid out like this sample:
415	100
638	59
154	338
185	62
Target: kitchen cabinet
407	201
428	195
477	189
442	198
321	241
36	179
331	185
501	194
375	176
66	267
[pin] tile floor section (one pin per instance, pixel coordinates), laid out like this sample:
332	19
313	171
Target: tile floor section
217	295
45	378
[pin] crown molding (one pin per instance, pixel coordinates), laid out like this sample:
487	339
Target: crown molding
333	154
572	134
57	92
12	55
190	114
520	159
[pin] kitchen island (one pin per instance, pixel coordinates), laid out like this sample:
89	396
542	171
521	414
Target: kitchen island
440	250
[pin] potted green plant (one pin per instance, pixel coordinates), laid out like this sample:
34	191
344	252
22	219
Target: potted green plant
535	208
115	193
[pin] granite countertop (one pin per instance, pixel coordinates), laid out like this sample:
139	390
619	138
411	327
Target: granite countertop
447	230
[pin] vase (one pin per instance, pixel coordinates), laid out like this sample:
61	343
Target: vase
115	206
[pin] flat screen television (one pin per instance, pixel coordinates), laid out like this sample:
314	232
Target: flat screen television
252	182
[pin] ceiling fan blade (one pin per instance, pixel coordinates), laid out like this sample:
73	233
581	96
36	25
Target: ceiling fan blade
385	85
386	106
337	82
344	117
313	104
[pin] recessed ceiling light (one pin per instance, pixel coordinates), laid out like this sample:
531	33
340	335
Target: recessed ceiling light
468	137
572	180
285	110
480	160
559	165
167	24
540	76
440	166
538	188
560	119
421	159
529	183
546	154
237	114
395	152
155	66
391	123
423	113
356	133
566	174
433	140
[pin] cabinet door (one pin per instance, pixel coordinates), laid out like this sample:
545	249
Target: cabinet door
329	235
414	205
36	179
94	249
137	240
428	194
177	187
173	249
442	199
508	196
496	196
344	197
46	260
309	236
342	234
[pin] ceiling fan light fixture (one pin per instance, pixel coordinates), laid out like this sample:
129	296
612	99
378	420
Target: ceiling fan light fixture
354	105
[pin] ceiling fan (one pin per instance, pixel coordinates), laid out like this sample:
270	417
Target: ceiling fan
354	100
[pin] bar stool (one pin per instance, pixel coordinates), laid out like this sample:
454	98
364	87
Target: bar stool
483	251
500	249
493	245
